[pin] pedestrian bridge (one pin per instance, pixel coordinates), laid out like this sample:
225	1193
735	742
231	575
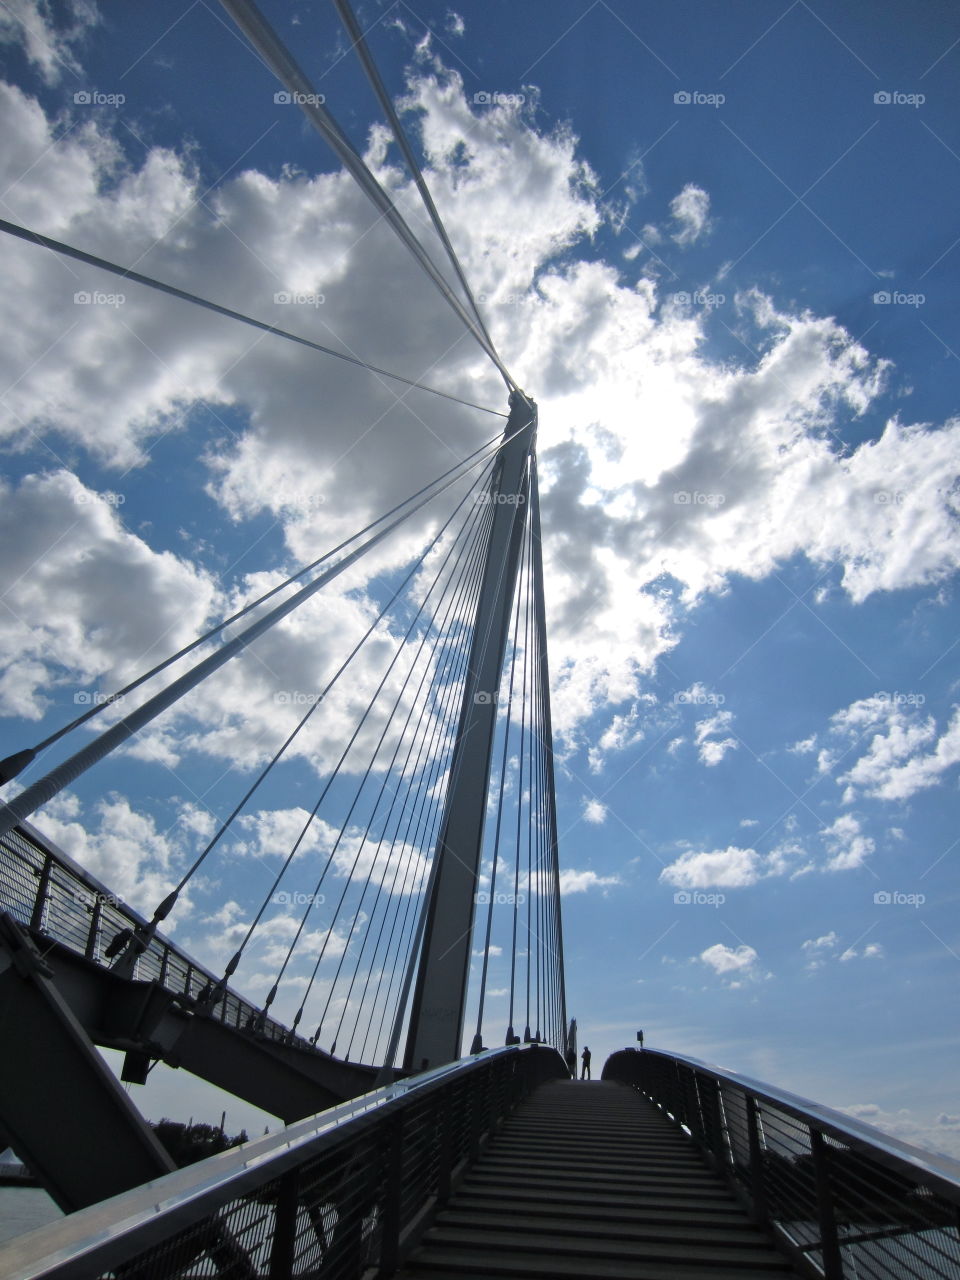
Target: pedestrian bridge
500	1166
491	1165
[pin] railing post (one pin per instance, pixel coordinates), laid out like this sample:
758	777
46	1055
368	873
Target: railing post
695	1109
445	1145
40	901
285	1226
757	1188
476	1111
393	1191
90	950
829	1244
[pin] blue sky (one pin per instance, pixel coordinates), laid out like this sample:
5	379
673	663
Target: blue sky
720	251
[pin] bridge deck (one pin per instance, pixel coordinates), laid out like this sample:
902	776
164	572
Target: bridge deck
590	1180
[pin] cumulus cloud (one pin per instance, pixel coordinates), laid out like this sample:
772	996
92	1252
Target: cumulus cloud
690	210
712	746
47	39
67	544
623	731
732	963
939	1134
122	847
722	868
827	947
846	845
752	449
906	751
594	812
572	881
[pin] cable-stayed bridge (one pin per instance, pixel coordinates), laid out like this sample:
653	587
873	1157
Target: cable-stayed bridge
425	1134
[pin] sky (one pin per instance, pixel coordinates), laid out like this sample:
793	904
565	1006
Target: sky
718	248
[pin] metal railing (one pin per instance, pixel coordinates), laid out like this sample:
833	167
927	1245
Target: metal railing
343	1193
845	1200
49	893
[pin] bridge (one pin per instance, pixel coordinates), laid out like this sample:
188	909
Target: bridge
410	1146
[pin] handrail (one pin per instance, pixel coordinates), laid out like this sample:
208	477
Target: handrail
903	1157
345	1152
844	1198
47	891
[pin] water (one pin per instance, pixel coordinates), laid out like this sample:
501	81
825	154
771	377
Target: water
24	1209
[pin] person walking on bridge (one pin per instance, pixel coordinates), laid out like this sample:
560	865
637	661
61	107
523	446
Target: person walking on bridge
585	1059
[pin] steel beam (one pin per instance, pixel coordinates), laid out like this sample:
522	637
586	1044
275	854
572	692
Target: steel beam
437	1014
285	1080
70	1119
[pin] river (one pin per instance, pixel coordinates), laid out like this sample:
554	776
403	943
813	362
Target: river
24	1209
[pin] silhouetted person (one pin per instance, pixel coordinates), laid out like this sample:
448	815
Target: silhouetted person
571	1059
585	1059
640	1038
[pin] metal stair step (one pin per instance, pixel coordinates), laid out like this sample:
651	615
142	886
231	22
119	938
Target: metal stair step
545	1221
452	1264
615	1208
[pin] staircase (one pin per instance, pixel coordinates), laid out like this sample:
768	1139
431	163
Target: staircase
590	1180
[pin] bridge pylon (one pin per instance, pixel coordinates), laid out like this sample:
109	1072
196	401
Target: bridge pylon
435	1030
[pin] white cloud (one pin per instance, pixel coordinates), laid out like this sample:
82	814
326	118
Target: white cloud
722	868
939	1134
595	812
47	43
123	848
580	881
827	947
846	845
906	750
756	436
67	544
725	960
690	210
827	942
712	747
820	949
623	731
